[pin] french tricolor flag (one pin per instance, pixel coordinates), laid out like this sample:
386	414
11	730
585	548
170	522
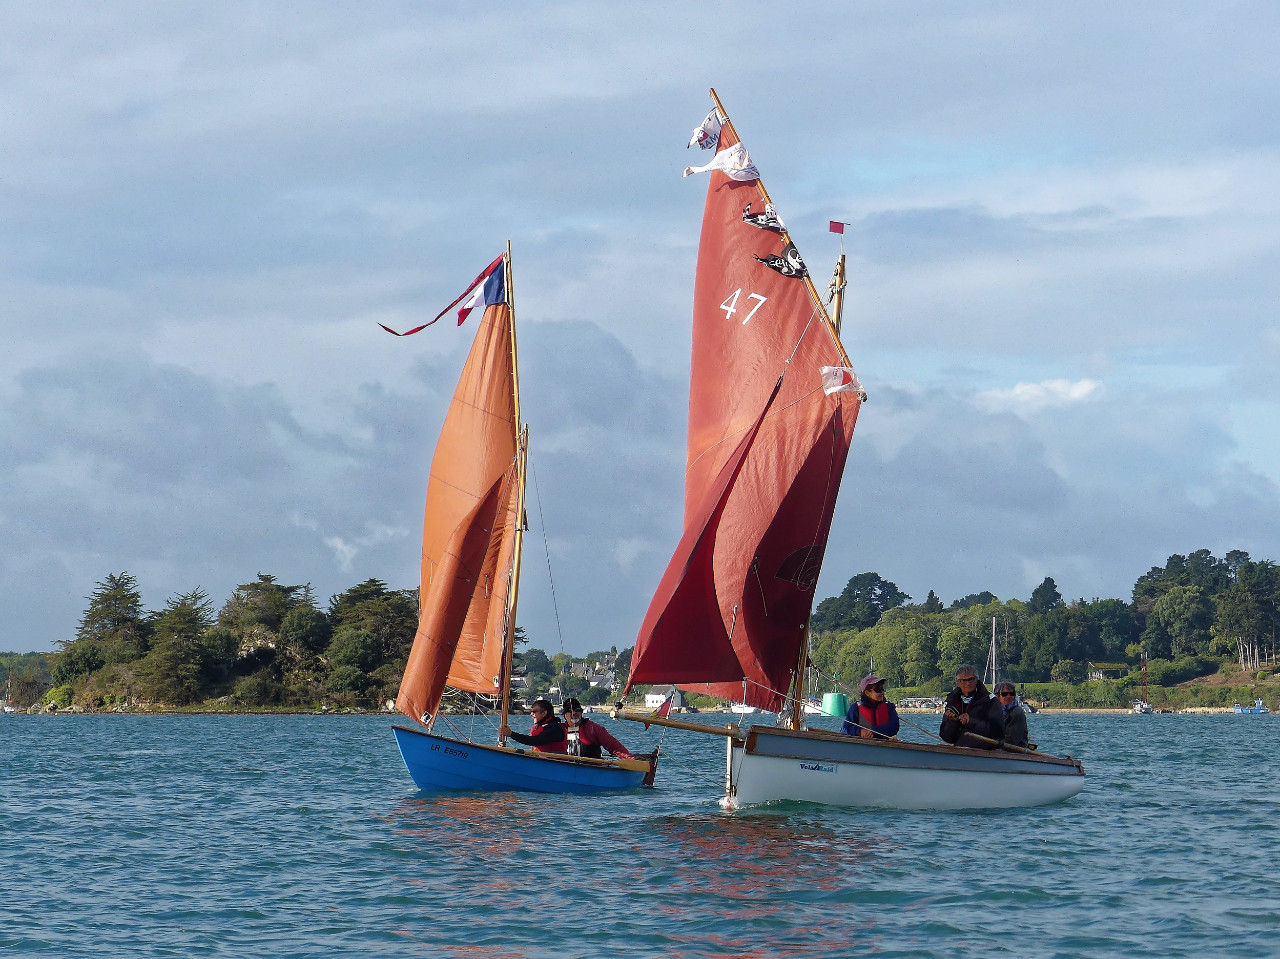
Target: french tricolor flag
488	288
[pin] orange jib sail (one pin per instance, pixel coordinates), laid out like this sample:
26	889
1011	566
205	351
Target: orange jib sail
761	532
468	530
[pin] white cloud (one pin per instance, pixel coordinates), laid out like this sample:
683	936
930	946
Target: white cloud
1027	399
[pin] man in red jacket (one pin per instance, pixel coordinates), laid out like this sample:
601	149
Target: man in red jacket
590	736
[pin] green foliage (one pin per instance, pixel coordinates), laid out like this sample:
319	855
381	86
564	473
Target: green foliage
79	658
1179	623
1200	569
536	661
1067	671
258	689
1163	672
1045	597
170	672
574	686
389	615
973	599
264	602
115	619
347	679
271	646
355	647
932	604
59	696
960	645
305	629
866	597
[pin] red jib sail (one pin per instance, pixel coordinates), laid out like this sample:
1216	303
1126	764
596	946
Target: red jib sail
468	530
765	460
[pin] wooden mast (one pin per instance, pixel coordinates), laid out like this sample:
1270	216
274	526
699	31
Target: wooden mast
522	462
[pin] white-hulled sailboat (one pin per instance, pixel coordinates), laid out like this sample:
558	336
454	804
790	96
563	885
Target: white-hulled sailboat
772	404
471	542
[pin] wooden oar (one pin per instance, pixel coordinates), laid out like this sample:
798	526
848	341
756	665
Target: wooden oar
1002	744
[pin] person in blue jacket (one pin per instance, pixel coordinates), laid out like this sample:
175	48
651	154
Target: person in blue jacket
872	716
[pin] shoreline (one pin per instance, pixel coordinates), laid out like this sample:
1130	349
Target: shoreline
357	711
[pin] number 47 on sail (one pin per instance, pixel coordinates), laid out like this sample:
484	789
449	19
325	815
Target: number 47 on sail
730	305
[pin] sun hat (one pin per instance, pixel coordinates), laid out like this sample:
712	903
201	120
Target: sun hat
870	680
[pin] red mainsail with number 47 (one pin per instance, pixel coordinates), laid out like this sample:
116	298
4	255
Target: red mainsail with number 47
766	453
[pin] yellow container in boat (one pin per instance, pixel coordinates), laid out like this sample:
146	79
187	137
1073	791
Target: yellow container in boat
835	704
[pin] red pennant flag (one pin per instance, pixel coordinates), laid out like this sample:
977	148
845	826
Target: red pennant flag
837	227
662	710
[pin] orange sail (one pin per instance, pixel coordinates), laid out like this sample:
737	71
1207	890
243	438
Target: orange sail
470	530
766	452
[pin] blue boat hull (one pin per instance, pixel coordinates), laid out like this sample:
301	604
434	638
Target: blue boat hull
439	763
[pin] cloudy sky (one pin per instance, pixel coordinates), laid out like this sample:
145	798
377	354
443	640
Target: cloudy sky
1064	255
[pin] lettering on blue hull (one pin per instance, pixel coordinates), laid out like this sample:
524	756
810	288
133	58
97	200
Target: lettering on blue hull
460	753
818	767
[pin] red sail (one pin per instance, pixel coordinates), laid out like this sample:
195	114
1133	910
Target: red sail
768	532
468	530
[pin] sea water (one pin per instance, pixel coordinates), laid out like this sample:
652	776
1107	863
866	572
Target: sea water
304	836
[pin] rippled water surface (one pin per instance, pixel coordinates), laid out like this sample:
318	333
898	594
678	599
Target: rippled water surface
304	836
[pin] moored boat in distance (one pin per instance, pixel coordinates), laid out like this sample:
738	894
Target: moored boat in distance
772	406
1141	707
1258	708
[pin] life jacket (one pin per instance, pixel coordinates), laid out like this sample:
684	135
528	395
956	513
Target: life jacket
552	722
584	739
870	716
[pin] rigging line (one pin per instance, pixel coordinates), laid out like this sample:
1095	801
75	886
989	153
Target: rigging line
755	568
537	494
808	323
923	730
461	734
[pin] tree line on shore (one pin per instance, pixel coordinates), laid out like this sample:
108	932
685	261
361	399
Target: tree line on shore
1188	617
269	645
272	645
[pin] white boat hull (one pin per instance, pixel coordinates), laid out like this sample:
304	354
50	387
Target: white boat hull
821	767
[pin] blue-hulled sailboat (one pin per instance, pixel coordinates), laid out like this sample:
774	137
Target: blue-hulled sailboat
471	542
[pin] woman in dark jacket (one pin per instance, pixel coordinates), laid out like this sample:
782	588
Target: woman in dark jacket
1015	720
970	709
872	716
